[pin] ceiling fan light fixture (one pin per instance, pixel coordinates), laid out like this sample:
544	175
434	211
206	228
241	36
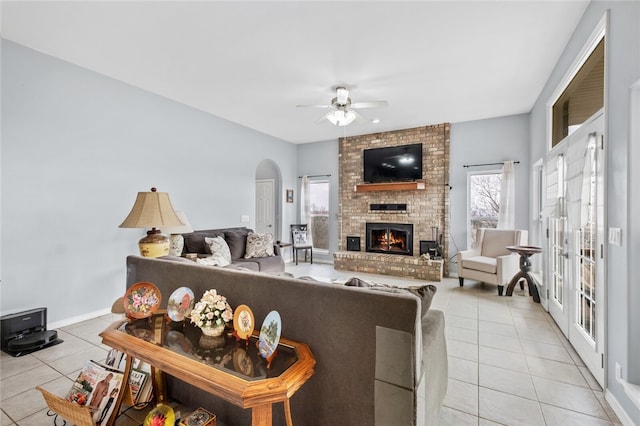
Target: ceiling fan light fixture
342	95
341	117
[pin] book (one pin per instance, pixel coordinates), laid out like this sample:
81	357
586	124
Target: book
199	417
97	387
137	380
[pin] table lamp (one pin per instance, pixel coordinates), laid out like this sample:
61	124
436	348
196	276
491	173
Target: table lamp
152	210
176	239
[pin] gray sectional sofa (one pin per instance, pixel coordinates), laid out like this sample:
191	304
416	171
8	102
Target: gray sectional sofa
378	360
236	239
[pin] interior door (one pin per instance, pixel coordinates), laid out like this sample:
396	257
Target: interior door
575	245
557	238
265	206
586	331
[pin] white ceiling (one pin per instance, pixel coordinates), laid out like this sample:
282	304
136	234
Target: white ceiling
253	62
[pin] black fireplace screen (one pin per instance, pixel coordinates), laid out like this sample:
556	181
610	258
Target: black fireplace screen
392	238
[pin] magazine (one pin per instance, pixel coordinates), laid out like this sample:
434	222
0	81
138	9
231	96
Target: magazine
137	381
97	387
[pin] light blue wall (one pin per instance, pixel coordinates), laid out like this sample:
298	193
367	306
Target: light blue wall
321	158
492	140
623	70
76	149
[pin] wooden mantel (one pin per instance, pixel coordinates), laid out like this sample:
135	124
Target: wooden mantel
389	186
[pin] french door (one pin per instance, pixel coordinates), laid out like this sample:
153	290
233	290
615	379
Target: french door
575	245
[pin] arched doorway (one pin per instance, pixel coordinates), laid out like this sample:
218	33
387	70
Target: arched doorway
268	198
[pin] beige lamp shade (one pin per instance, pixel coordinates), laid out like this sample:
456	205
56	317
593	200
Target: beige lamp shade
152	210
182	229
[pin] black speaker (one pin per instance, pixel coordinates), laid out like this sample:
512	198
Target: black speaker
429	247
353	243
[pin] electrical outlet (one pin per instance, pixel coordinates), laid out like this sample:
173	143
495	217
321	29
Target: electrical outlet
615	236
618	373
244	218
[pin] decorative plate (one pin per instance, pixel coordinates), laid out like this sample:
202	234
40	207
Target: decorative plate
178	342
180	304
160	415
242	362
243	321
141	300
270	334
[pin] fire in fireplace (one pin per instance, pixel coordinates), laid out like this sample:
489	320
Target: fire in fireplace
391	238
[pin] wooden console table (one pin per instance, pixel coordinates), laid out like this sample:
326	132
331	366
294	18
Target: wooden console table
147	340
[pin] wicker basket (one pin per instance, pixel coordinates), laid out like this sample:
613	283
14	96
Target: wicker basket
72	412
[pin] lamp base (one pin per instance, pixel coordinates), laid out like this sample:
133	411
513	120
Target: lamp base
154	244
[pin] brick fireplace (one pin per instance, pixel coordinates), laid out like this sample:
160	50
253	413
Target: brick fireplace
423	204
390	238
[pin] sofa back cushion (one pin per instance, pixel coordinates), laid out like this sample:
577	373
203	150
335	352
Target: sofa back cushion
194	241
237	241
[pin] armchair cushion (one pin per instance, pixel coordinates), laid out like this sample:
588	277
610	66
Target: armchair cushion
495	241
480	263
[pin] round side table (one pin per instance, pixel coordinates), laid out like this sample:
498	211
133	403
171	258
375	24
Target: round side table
525	253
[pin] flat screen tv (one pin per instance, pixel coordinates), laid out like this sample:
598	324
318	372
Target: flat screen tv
393	163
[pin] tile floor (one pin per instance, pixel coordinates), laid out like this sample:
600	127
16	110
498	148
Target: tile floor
508	362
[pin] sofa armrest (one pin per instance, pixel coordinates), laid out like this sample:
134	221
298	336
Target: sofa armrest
506	267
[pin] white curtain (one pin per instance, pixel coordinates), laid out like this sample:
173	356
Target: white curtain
507	213
305	205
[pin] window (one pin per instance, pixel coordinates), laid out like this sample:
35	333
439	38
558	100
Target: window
583	97
319	214
484	202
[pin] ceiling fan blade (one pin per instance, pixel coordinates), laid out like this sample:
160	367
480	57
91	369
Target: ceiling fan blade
324	118
313	106
372	104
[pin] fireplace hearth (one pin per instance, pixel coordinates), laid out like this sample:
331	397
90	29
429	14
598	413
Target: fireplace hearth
390	238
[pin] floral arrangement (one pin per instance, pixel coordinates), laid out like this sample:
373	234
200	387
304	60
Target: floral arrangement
212	310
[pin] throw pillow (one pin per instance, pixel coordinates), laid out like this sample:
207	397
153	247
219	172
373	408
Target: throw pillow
213	260
300	238
219	247
259	245
425	292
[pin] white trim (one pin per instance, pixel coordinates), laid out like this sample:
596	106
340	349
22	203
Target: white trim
617	408
79	318
598	34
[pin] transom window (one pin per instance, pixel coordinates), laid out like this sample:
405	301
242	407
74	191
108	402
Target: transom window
582	98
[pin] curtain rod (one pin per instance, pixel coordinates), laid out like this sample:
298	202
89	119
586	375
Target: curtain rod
488	164
300	177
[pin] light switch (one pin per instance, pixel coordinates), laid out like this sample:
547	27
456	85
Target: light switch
615	236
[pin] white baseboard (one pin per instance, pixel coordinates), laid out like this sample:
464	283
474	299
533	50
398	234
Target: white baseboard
617	408
79	318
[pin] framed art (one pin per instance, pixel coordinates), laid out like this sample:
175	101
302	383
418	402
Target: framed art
289	195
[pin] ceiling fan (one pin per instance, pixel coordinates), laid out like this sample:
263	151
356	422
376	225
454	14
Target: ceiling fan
342	109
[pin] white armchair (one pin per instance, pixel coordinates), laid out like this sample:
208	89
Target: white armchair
490	261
